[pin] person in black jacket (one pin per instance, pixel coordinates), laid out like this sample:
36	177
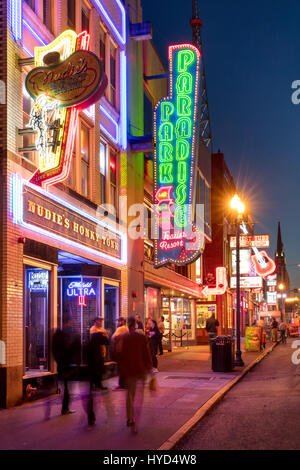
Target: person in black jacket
154	337
211	328
95	362
66	349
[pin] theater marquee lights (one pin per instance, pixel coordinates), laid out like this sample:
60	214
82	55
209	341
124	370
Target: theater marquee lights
177	240
67	78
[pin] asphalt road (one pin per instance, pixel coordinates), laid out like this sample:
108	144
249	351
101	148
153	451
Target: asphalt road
262	412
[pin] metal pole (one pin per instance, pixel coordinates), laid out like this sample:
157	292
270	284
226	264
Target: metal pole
238	355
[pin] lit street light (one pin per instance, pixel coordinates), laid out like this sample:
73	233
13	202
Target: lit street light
239	208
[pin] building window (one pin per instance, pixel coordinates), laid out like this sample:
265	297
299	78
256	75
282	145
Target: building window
85	159
113	68
102	167
47	14
71	14
148	114
102	47
113	179
85	19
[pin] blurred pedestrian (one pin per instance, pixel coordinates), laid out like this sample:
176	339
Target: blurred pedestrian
98	328
138	322
154	336
283	330
117	339
95	362
147	326
135	364
161	329
274	330
211	328
66	349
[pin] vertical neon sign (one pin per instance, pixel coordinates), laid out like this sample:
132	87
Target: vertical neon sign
177	239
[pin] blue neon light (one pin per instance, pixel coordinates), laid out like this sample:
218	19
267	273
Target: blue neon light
18	187
15	8
120	36
79	288
123	93
34	33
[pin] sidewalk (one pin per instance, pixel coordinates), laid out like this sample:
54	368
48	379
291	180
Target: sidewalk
185	383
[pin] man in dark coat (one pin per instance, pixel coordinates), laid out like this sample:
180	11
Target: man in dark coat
135	364
211	328
95	362
66	349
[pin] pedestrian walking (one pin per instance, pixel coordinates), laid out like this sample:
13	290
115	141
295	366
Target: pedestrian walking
263	338
98	328
135	364
66	349
95	362
161	329
153	342
283	330
274	330
211	328
138	323
117	339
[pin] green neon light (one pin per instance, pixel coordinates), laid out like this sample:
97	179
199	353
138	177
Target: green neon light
181	216
184	83
181	193
166	173
184	104
183	128
185	59
182	149
182	172
167	109
166	131
165	152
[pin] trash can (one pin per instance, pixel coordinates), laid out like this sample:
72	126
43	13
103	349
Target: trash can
222	354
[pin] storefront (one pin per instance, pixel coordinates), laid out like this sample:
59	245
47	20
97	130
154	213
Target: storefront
72	267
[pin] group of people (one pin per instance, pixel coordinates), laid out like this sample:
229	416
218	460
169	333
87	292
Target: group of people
132	346
282	327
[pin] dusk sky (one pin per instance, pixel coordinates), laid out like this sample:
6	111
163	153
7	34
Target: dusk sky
252	56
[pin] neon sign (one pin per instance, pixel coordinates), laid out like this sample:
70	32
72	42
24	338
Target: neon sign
80	289
67	78
38	280
178	239
221	284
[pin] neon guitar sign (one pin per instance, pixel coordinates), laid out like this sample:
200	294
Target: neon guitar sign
177	239
264	265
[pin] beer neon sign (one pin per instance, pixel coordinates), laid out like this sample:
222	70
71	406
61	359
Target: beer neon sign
67	78
177	239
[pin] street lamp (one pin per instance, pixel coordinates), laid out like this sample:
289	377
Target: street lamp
239	207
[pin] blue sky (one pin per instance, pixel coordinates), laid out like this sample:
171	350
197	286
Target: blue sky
252	56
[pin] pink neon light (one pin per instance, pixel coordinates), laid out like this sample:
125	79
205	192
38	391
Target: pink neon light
221	284
81	300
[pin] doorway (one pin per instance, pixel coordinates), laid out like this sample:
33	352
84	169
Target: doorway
111	305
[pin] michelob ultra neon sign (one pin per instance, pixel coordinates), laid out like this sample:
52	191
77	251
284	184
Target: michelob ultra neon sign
67	78
177	239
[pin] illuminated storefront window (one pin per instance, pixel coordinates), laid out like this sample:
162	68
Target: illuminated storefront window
204	311
36	318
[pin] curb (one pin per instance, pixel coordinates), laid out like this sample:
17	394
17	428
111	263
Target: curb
209	405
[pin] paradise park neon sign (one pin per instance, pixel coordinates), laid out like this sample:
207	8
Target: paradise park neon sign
67	78
177	240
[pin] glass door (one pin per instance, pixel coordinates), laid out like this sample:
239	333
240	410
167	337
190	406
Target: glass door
110	305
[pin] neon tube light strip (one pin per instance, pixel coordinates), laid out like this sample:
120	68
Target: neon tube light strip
16	18
114	122
34	33
121	37
123	93
18	185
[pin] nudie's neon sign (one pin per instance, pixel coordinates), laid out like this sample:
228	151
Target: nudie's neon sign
175	131
67	78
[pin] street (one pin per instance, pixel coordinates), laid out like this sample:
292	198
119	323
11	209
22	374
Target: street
260	413
185	383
